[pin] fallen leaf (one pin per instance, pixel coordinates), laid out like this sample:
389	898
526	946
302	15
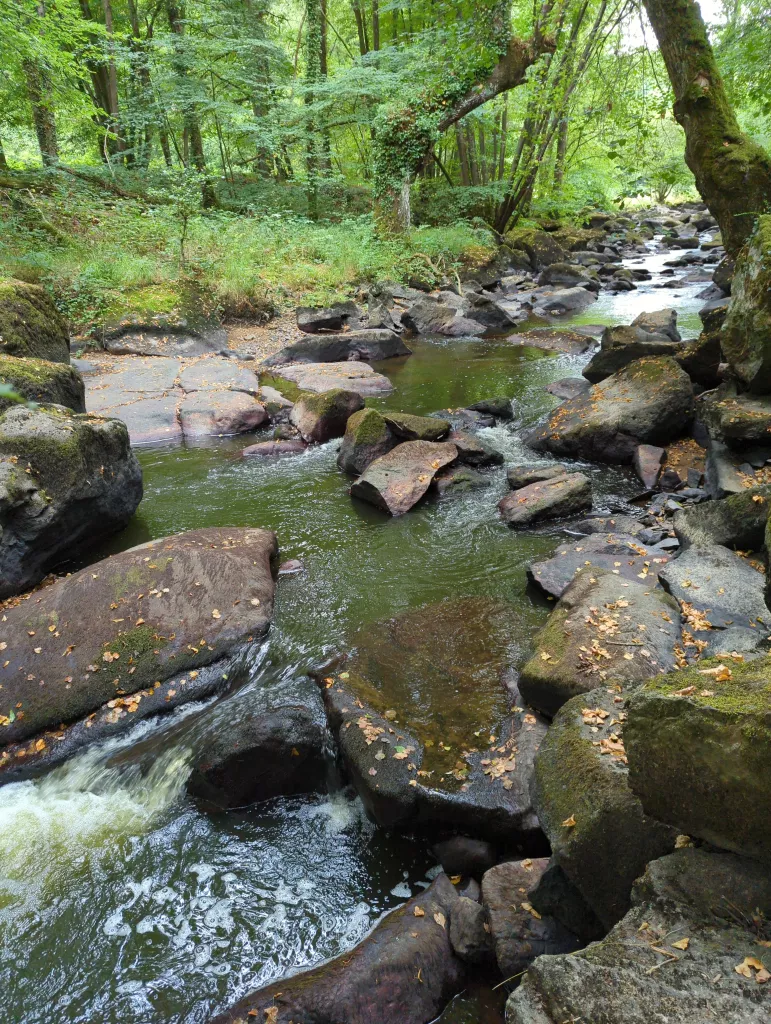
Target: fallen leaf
750	964
681	944
216	615
569	822
419	912
440	919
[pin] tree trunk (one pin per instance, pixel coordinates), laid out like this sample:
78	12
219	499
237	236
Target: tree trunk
733	173
115	144
375	25
562	149
3	161
361	27
41	101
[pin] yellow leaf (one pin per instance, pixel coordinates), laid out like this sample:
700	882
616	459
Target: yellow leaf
569	822
216	615
419	912
748	965
456	879
531	910
440	919
271	1015
681	944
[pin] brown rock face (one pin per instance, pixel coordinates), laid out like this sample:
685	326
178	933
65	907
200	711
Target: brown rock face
397	481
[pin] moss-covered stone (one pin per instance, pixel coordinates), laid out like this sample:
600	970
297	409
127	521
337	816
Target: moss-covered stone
738	521
44	382
321	417
417	428
699	746
542	247
746	335
367	437
30	324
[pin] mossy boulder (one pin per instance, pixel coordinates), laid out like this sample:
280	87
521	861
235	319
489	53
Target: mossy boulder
44	382
738	521
648	402
66	482
621	346
738	419
409	427
321	417
599	834
604	630
541	247
30	323
367	437
699	748
746	334
701	358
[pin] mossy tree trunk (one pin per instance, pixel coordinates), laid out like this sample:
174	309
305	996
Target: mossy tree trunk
733	174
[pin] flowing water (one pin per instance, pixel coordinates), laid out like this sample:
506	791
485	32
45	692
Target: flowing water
119	900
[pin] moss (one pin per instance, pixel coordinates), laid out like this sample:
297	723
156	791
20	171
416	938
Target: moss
417	428
747	692
136	642
38	380
30	324
367	427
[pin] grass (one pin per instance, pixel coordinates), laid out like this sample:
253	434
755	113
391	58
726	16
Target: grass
103	256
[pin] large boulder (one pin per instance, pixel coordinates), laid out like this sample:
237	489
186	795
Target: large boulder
738	521
605	630
649	402
738	419
554	339
367	437
66	482
44	382
541	247
315	319
429	316
452	754
556	498
699	747
746	334
567	275
661	323
564	300
416	428
397	481
598	831
621	346
481	309
720	586
688	950
404	972
531	473
219	413
30	324
351	375
193	329
336	348
320	418
108	636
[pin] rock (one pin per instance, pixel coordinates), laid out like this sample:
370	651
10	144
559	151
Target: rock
500	408
319	418
736	522
647	463
550	499
520	933
670	480
397	481
598	832
566	275
591	631
706	898
272	448
421	758
487	312
37	380
367	437
263	755
610	525
274	402
466	419
566	300
720	586
554	340
463	856
470	933
171	629
30	324
337	348
315	319
350	376
723	275
746	334
150	420
214	373
554	894
427	316
522	476
569	387
621	346
739	420
541	248
701	359
728	471
376	981
66	482
663	322
648	402
689	242
709	728
217	413
459	480
416	428
192	332
474	452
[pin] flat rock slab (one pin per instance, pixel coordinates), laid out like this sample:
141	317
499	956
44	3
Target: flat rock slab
397	481
626	979
620	555
404	972
426	727
149	341
270	449
216	373
131	378
150	420
568	387
218	413
553	339
350	376
549	499
112	630
335	348
720	585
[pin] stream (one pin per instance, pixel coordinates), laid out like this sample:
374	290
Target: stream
119	900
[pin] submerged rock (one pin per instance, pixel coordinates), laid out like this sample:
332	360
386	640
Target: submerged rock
30	323
66	482
320	418
367	437
550	499
397	481
272	448
44	382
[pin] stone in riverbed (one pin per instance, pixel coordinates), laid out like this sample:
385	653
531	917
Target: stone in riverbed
593	636
168	624
427	316
722	587
38	380
150	420
280	752
500	408
404	972
648	402
522	476
739	420
474	452
336	348
554	894
568	275
647	463
553	339
216	373
738	521
272	448
352	375
315	319
66	482
565	300
708	730
30	324
550	499
397	481
367	437
320	418
216	413
694	895
568	387
662	322
598	831
416	428
459	480
193	334
621	346
470	933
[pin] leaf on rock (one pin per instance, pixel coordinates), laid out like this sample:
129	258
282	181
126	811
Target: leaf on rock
440	919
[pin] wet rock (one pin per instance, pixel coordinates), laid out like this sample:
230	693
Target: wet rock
746	335
416	428
569	387
150	420
474	452
37	380
541	248
598	831
278	407
337	348
710	729
404	972
215	373
621	346
554	894
427	316
609	525
193	332
290	567
647	463
500	408
455	753
264	755
269	449
466	419
593	636
470	933
319	418
554	340
522	476
350	376
663	322
461	855
30	323
519	932
722	587
315	319
397	481
738	521
706	898
738	419
648	402
566	300
217	413
66	482
169	625
491	315
566	275
550	499
701	359
459	480
367	437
